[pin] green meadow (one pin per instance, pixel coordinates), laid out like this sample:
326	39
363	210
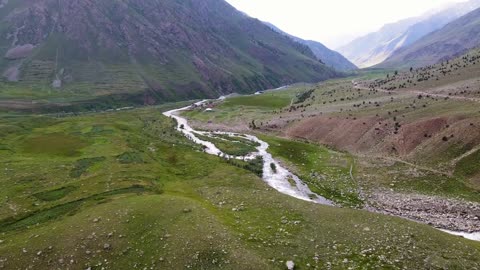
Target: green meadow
263	101
125	190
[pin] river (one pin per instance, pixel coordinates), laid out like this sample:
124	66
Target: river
281	179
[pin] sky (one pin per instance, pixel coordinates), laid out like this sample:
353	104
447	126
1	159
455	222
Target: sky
334	22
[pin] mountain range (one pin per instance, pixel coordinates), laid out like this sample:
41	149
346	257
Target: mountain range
147	51
329	57
376	47
454	39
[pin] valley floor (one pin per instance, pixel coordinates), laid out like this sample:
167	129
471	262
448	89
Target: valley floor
126	189
414	148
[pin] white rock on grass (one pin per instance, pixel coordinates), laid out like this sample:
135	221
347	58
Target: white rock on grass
57	83
290	265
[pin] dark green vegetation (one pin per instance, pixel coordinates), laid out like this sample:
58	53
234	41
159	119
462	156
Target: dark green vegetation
56	194
304	96
180	208
130	157
255	165
57	144
273	167
44	215
117	54
82	165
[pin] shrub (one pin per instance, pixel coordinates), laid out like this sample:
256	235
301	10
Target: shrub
274	167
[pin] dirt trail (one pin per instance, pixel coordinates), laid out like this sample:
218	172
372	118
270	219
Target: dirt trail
415	92
413	165
471	152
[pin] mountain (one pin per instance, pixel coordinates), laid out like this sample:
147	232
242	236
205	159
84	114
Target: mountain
376	47
146	51
453	40
370	49
329	57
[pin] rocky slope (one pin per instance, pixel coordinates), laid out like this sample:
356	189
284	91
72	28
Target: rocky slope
330	57
376	47
453	40
147	51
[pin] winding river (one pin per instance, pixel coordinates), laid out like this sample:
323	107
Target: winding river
281	179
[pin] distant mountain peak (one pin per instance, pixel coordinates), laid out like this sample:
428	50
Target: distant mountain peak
376	47
330	57
454	39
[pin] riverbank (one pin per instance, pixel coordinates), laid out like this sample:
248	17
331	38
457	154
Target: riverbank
450	216
274	174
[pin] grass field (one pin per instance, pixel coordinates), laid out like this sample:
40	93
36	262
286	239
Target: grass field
56	144
135	194
265	101
233	146
468	166
405	178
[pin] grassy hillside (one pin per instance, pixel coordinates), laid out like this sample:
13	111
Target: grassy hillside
143	52
409	139
124	190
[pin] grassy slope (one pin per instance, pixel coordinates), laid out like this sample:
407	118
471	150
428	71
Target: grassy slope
229	52
337	98
173	207
246	108
467	167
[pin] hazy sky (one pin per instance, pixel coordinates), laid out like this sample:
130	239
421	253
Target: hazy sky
334	22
